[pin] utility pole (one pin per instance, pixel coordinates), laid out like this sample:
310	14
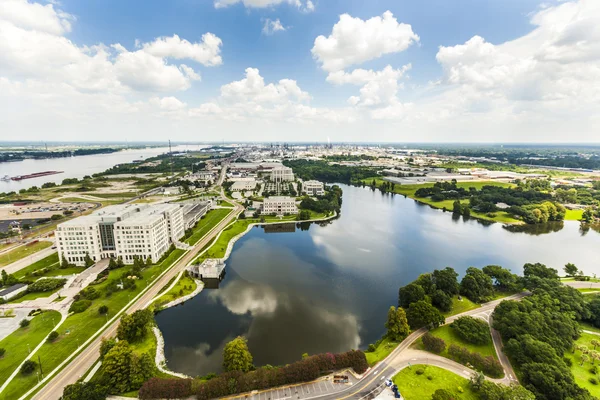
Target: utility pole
40	362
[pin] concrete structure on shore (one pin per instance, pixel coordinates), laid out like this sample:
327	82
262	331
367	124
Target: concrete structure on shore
279	205
313	188
126	231
211	268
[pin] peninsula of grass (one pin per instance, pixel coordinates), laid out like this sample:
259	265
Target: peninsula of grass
410	190
461	306
78	328
580	370
208	221
414	386
18	343
450	337
184	286
219	246
23	251
382	350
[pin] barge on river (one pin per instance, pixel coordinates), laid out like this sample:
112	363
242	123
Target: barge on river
35	175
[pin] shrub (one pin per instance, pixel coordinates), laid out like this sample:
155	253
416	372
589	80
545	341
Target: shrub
433	344
52	336
420	371
89	293
429	377
568	361
593	381
103	309
24	323
46	285
28	367
472	330
488	365
2	351
164	388
594	370
371	348
80	306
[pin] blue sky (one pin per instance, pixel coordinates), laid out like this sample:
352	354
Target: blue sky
497	70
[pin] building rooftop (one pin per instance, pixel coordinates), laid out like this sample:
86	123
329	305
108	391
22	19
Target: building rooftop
11	289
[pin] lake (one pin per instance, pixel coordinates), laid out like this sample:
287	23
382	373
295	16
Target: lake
327	287
75	167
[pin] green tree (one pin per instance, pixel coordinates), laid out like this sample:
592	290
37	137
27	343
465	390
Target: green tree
2	352
84	391
106	345
443	394
52	337
571	269
426	282
112	264
28	367
116	368
88	260
236	356
24	323
502	278
422	314
397	324
103	309
472	330
410	293
446	280
134	327
441	300
476	285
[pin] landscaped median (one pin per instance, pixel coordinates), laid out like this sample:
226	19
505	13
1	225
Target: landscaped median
82	326
22	252
420	382
206	224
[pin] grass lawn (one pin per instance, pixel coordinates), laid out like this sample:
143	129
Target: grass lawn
22	252
419	387
409	190
184	286
208	221
84	325
460	306
46	262
571	279
573	215
225	203
34	295
381	352
589	327
17	342
582	372
450	337
219	247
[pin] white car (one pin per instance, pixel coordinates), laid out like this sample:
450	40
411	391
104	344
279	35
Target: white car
389	383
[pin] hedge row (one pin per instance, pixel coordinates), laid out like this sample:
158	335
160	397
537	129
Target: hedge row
230	383
488	365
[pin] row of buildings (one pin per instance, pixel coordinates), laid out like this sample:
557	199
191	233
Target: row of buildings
126	231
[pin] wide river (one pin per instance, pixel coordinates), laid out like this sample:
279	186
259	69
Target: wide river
75	167
328	287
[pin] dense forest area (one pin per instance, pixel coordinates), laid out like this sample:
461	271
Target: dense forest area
331	173
163	163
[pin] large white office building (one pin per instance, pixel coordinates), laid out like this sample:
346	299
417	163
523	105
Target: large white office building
313	188
279	205
126	231
282	174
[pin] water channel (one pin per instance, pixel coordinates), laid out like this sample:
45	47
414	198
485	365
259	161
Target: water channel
75	167
327	287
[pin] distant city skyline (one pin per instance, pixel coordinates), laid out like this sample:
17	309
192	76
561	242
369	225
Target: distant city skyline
345	71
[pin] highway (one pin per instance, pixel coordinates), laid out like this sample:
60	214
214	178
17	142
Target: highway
85	360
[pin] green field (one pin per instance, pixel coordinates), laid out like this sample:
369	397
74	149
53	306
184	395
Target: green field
582	372
225	203
450	337
461	306
409	191
18	342
589	327
34	295
208	221
420	387
22	252
184	286
46	262
573	215
49	262
219	247
381	352
80	327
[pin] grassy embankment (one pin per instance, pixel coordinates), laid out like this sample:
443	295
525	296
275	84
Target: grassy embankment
418	387
582	372
18	343
48	262
208	221
450	337
573	215
224	203
22	252
84	325
184	286
409	191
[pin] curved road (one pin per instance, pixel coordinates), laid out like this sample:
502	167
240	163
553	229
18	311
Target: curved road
86	359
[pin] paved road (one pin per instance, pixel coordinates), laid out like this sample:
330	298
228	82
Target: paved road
27	261
86	359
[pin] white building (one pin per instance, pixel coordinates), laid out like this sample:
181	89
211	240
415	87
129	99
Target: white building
282	174
130	230
242	186
279	205
313	188
12	291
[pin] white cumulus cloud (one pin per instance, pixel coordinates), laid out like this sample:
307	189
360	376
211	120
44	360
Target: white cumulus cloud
354	41
271	26
306	6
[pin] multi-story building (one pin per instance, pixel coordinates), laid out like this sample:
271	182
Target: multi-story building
282	174
127	231
313	188
279	205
